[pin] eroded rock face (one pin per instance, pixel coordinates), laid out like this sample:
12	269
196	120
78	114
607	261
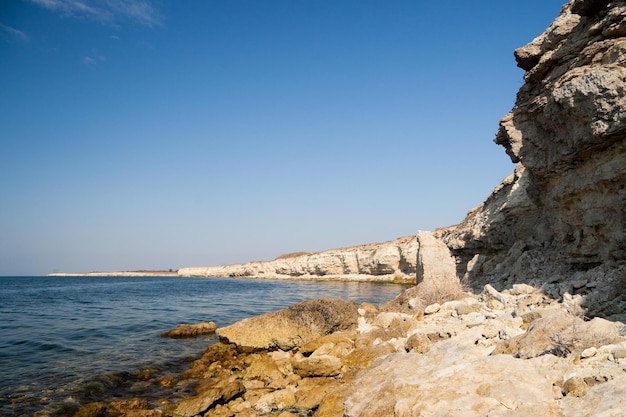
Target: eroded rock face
293	326
560	219
388	261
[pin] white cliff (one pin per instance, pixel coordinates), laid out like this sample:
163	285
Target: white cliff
389	261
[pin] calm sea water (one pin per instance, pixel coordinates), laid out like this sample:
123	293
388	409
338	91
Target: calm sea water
59	334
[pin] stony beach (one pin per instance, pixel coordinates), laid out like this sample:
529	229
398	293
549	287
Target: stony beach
516	352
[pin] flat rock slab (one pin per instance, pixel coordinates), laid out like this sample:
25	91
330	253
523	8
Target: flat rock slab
293	326
191	330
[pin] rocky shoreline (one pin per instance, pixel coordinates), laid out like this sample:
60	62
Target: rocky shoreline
516	352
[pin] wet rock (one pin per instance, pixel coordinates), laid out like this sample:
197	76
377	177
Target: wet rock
91	410
191	330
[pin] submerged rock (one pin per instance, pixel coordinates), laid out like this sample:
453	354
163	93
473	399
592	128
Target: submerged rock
191	330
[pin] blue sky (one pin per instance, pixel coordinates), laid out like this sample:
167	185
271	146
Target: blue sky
160	134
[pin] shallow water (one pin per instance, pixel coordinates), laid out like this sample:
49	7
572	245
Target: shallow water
59	334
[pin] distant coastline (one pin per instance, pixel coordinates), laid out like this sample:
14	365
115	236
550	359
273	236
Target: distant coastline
141	273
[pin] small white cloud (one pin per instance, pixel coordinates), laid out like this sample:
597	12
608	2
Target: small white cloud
13	33
109	11
139	10
93	59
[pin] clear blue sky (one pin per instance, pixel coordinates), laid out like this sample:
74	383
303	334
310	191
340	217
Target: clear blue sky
160	134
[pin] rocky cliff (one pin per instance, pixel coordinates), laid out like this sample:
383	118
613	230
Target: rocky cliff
559	220
390	261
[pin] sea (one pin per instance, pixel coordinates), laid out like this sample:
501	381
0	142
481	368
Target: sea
67	341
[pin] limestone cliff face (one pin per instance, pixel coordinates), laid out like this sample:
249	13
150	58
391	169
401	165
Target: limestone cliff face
559	219
389	261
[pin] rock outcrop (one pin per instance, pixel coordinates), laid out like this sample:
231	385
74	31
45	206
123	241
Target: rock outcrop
293	326
388	261
559	221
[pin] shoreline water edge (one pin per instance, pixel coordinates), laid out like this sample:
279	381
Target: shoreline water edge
330	357
69	341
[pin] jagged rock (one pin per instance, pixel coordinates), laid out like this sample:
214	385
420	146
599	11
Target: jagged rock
275	400
312	391
561	214
293	326
337	338
263	368
444	379
560	334
191	330
201	402
322	365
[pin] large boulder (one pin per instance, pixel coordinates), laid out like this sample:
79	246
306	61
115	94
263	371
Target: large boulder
293	326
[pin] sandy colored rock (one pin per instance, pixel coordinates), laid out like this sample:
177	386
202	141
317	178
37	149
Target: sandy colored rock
201	402
312	391
276	400
560	334
334	338
262	368
575	387
435	263
292	327
191	330
418	343
323	365
444	379
363	357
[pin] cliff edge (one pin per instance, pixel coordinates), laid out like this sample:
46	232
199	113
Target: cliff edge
558	222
